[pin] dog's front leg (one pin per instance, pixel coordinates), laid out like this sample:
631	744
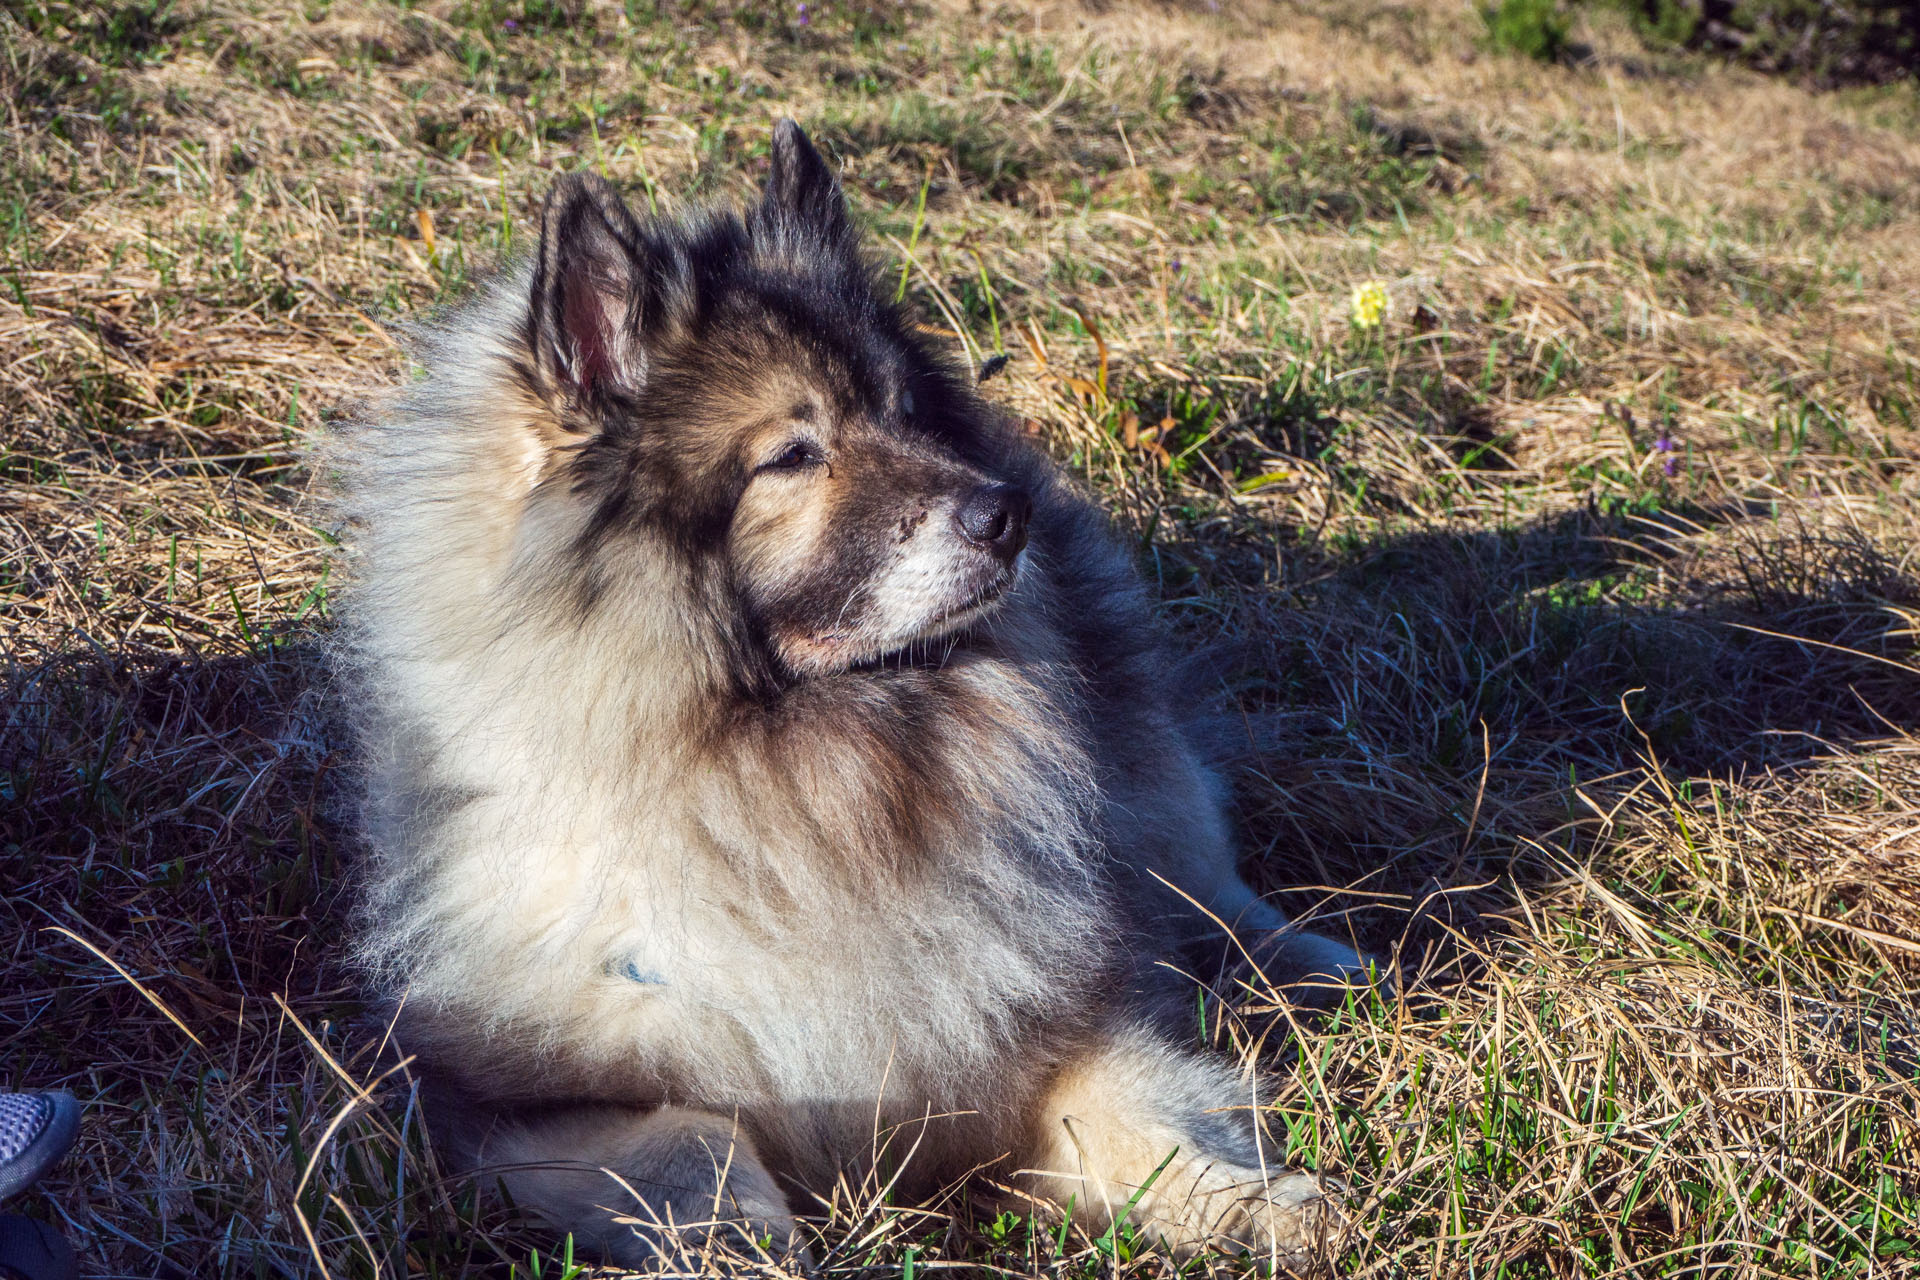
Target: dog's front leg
644	1187
1142	1132
1312	970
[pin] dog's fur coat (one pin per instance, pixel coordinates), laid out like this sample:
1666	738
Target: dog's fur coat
746	807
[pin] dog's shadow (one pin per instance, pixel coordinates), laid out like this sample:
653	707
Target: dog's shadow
1434	711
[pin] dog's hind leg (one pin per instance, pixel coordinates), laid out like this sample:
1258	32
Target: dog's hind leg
1141	1132
643	1188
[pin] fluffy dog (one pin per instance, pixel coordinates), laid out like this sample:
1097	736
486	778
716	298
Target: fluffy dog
770	762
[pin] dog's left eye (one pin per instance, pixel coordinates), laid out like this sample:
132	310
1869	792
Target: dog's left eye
796	455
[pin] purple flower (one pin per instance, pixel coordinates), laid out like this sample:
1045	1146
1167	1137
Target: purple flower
805	18
511	25
1664	445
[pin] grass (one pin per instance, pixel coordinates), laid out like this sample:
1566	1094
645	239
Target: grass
1570	613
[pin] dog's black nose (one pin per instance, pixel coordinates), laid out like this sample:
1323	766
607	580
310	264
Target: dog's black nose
994	516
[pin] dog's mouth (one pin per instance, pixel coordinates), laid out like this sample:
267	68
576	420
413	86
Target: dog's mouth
974	606
930	642
934	640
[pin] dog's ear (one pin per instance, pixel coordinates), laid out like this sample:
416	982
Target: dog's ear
800	187
587	291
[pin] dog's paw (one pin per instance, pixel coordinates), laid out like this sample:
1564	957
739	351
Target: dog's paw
1310	970
1290	1217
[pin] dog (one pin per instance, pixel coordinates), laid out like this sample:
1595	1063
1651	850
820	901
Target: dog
772	773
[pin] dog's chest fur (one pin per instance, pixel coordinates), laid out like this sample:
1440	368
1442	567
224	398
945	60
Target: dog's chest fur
833	905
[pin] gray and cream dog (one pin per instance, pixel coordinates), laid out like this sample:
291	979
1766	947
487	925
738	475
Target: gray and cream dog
768	761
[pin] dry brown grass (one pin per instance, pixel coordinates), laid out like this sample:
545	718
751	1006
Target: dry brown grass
1619	766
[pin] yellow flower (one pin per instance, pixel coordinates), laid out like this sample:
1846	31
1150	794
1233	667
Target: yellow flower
1369	304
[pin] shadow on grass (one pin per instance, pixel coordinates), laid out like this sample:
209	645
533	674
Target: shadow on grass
164	809
1430	708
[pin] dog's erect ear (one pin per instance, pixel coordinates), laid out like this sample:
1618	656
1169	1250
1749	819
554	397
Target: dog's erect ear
586	291
800	187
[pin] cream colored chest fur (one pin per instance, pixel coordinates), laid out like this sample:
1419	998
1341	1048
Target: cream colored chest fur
598	911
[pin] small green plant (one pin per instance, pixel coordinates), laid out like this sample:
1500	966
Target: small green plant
562	1267
1663	22
1535	28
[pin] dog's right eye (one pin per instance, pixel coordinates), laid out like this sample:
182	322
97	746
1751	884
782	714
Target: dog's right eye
797	455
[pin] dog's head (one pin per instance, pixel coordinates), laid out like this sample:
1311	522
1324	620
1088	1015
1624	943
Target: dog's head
740	388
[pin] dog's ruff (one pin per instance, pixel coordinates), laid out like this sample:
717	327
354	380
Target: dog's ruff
771	766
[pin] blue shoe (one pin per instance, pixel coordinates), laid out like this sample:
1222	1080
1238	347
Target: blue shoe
33	1250
35	1131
